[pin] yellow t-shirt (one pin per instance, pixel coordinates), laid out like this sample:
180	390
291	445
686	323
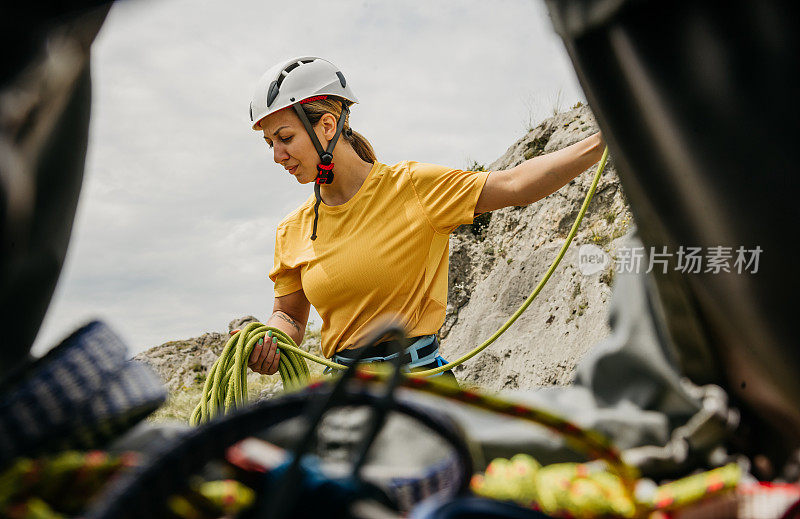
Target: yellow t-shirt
383	253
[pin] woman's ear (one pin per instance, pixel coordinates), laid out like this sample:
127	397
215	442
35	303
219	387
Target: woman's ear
328	122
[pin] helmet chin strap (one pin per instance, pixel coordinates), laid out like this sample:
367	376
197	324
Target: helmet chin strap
325	166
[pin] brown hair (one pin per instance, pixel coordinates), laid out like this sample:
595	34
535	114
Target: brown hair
333	105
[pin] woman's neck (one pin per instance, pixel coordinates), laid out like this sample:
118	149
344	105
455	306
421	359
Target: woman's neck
349	174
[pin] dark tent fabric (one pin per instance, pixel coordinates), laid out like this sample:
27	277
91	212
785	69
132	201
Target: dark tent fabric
699	104
45	97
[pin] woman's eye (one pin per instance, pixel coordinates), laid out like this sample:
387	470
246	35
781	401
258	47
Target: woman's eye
286	140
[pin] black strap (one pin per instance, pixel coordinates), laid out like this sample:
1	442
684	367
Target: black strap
316	210
324	174
309	128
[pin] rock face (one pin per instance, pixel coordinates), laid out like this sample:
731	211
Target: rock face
182	364
185	364
495	263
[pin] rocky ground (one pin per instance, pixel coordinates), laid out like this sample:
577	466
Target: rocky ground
495	263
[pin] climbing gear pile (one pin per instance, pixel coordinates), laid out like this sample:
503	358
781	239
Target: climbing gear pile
82	394
49	487
293	489
58	485
588	490
605	487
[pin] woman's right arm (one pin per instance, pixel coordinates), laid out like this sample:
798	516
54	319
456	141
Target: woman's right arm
290	315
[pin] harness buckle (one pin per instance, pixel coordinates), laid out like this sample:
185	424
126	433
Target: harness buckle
324	173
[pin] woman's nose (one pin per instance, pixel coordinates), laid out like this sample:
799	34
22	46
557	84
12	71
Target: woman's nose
279	154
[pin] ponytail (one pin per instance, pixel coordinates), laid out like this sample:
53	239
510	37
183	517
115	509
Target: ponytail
361	146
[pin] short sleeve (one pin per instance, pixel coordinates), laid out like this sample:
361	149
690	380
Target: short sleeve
286	278
448	196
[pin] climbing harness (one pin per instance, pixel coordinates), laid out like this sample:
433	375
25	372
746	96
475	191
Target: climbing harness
422	352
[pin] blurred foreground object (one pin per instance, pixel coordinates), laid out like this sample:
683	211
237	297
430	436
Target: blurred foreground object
698	103
45	96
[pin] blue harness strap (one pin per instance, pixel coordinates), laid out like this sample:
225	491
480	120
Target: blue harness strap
413	351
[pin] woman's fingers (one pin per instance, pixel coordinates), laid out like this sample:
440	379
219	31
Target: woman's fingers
255	354
273	358
265	356
259	355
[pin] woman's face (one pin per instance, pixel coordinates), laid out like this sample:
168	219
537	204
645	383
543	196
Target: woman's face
291	146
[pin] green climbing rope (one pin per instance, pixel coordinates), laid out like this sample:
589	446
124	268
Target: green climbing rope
225	387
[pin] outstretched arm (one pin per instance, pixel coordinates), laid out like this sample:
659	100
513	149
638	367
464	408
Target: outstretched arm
540	176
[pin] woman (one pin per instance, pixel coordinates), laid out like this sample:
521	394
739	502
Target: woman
373	240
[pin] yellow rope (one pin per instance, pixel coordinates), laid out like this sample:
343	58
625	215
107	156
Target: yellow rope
588	490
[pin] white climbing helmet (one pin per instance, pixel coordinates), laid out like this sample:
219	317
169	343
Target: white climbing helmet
296	80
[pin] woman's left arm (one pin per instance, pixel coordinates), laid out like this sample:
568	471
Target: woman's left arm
540	176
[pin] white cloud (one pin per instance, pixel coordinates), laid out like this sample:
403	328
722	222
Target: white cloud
175	228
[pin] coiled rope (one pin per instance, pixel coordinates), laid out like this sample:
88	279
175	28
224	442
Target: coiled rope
225	387
589	490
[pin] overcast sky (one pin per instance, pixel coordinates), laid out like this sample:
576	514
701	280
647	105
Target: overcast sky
175	228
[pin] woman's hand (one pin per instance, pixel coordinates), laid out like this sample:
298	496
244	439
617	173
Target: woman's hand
290	315
265	358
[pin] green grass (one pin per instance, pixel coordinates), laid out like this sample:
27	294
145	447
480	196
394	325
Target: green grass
474	165
181	403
